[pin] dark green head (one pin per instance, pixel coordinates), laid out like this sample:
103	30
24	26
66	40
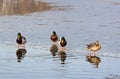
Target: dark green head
54	33
63	38
18	35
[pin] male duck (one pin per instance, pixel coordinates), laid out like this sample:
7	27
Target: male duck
62	44
21	40
54	37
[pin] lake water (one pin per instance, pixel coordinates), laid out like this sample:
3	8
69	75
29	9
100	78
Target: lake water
80	21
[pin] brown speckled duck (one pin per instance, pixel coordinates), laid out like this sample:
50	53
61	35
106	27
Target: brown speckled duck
54	37
94	47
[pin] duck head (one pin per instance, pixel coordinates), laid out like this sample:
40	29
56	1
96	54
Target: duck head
97	42
62	39
19	35
54	33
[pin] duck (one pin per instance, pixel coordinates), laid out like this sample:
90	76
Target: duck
21	40
94	47
62	43
54	37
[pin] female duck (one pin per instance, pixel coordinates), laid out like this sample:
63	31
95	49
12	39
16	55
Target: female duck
94	47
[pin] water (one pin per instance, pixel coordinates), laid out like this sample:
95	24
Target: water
80	21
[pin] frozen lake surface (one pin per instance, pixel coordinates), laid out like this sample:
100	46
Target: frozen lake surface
80	21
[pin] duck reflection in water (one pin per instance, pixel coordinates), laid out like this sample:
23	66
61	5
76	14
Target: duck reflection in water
62	56
20	53
54	49
93	60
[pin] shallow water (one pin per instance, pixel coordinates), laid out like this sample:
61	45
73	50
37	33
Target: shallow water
39	64
81	22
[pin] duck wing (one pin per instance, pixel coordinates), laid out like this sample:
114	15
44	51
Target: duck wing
24	40
91	45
